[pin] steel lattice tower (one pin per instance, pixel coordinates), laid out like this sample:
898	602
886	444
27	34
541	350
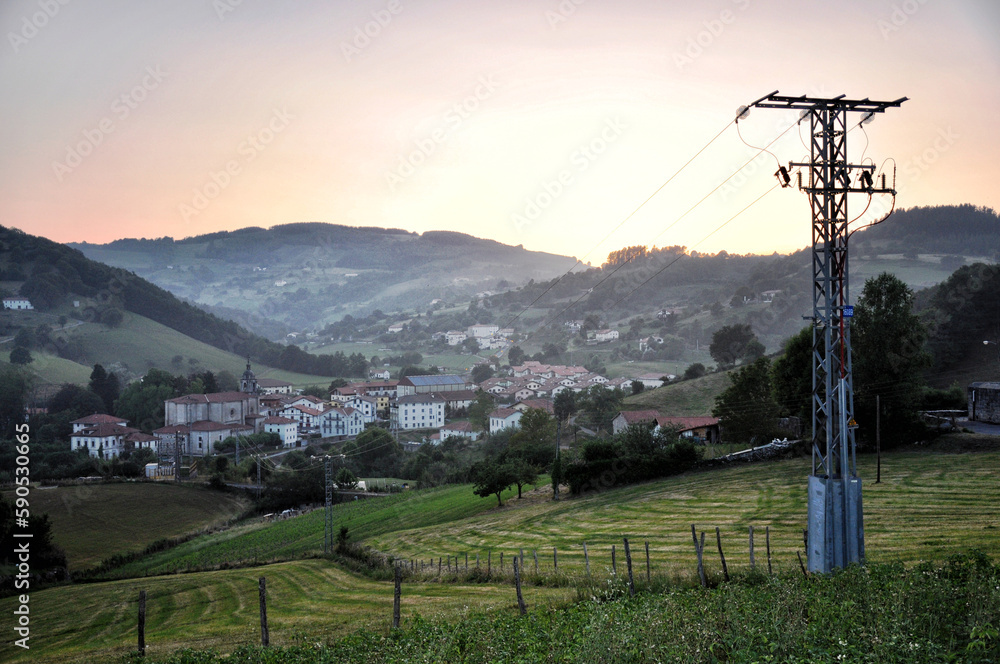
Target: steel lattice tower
836	526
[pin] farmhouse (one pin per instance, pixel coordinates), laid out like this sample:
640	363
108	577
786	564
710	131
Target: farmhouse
626	418
459	430
605	335
698	429
94	420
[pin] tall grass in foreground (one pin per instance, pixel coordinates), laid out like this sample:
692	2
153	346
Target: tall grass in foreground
881	613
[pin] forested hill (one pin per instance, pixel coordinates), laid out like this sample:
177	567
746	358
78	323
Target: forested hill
53	275
962	230
309	274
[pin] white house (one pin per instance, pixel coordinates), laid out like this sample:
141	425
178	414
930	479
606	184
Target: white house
17	303
417	411
383	375
504	418
483	330
651	381
396	328
104	440
459	430
605	335
366	405
307	418
344	422
285	427
95	419
274	386
455	337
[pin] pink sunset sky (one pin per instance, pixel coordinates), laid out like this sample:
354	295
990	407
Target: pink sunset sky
537	123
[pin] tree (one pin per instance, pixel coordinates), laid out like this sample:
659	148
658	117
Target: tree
21	355
481	372
637	386
524	473
480	409
516	356
470	345
13	392
733	344
747	410
601	405
535	437
105	385
888	354
76	401
564	405
791	376
346	480
492	478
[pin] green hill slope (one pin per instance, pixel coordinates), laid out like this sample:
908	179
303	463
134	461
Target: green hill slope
94	522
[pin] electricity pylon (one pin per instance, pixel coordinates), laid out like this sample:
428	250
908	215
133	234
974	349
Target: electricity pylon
836	526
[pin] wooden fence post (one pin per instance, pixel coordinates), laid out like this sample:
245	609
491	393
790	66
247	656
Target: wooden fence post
534	552
489	562
142	623
628	563
396	593
501	562
649	576
698	550
466	561
767	540
586	558
753	565
555	560
264	637
517	584
614	562
439	565
722	556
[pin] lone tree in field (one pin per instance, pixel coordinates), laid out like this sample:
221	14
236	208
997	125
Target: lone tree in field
491	478
889	356
734	344
747	410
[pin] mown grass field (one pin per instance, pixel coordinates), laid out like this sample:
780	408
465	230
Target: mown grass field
259	542
94	522
927	507
689	398
311	599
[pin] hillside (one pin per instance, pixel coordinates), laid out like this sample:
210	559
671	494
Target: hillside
931	504
306	275
69	290
94	522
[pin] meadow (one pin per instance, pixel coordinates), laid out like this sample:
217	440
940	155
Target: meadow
92	522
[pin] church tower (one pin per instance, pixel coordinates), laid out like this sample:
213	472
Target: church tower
248	383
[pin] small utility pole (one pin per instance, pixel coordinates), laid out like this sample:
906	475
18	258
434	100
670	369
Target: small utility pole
555	483
878	438
177	456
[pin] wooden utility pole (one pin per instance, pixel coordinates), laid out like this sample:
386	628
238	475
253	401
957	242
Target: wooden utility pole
878	439
264	636
142	623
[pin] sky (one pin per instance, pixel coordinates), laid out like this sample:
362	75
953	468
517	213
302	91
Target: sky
538	123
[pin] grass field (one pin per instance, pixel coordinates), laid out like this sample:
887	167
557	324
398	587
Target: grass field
689	398
260	542
926	507
140	344
306	601
94	522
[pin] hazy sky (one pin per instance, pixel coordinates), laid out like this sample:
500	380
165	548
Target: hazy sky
538	123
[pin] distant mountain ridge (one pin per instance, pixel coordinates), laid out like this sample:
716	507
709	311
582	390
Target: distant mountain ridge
305	275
